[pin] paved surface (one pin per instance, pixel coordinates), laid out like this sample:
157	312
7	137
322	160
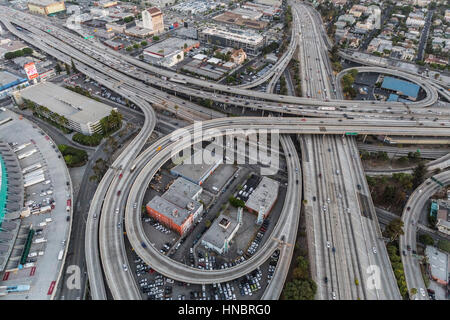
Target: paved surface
47	266
410	217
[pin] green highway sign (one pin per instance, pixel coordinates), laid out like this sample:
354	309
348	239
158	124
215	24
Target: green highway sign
351	133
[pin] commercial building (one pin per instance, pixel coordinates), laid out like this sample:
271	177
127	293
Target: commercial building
113	44
220	234
170	51
241	20
196	173
251	42
443	217
81	114
46	7
152	19
6	45
9	82
105	4
178	207
272	3
401	87
138	32
263	198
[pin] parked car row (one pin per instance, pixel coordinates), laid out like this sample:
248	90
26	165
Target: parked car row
255	243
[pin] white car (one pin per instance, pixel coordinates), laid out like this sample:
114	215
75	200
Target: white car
328	244
374	250
422	292
333	294
125	268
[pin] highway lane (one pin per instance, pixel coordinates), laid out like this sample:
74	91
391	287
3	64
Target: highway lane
342	241
410	218
289	234
93	262
430	91
156	158
164	73
176	270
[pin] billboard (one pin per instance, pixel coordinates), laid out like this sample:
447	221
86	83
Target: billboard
31	71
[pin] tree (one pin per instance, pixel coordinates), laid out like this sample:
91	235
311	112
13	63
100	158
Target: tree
426	239
136	45
235	202
155	38
413	291
67	68
394	229
58	68
419	174
74	69
144	43
207	223
27	51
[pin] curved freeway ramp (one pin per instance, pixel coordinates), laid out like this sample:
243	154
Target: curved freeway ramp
410	218
431	92
156	158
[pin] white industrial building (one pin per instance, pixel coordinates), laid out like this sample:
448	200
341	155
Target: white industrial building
83	114
220	234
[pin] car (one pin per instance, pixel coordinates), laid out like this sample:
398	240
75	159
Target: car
404	252
118	193
328	244
326	280
408	247
333	294
374	250
125	267
422	292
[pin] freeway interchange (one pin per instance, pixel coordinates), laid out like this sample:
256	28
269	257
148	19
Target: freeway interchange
352	227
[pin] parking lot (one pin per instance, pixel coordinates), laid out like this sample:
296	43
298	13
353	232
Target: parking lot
47	201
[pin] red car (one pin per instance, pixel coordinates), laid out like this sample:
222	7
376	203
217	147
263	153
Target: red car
118	193
120	176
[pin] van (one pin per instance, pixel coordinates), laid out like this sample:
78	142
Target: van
215	188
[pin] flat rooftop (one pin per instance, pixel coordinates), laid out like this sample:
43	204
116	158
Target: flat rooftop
438	262
43	2
217	234
169	209
183	187
65	102
407	88
8	79
194	172
169	46
264	195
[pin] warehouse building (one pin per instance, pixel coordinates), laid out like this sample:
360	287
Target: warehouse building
178	207
46	7
170	51
9	82
83	114
251	42
220	234
263	198
401	87
196	173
